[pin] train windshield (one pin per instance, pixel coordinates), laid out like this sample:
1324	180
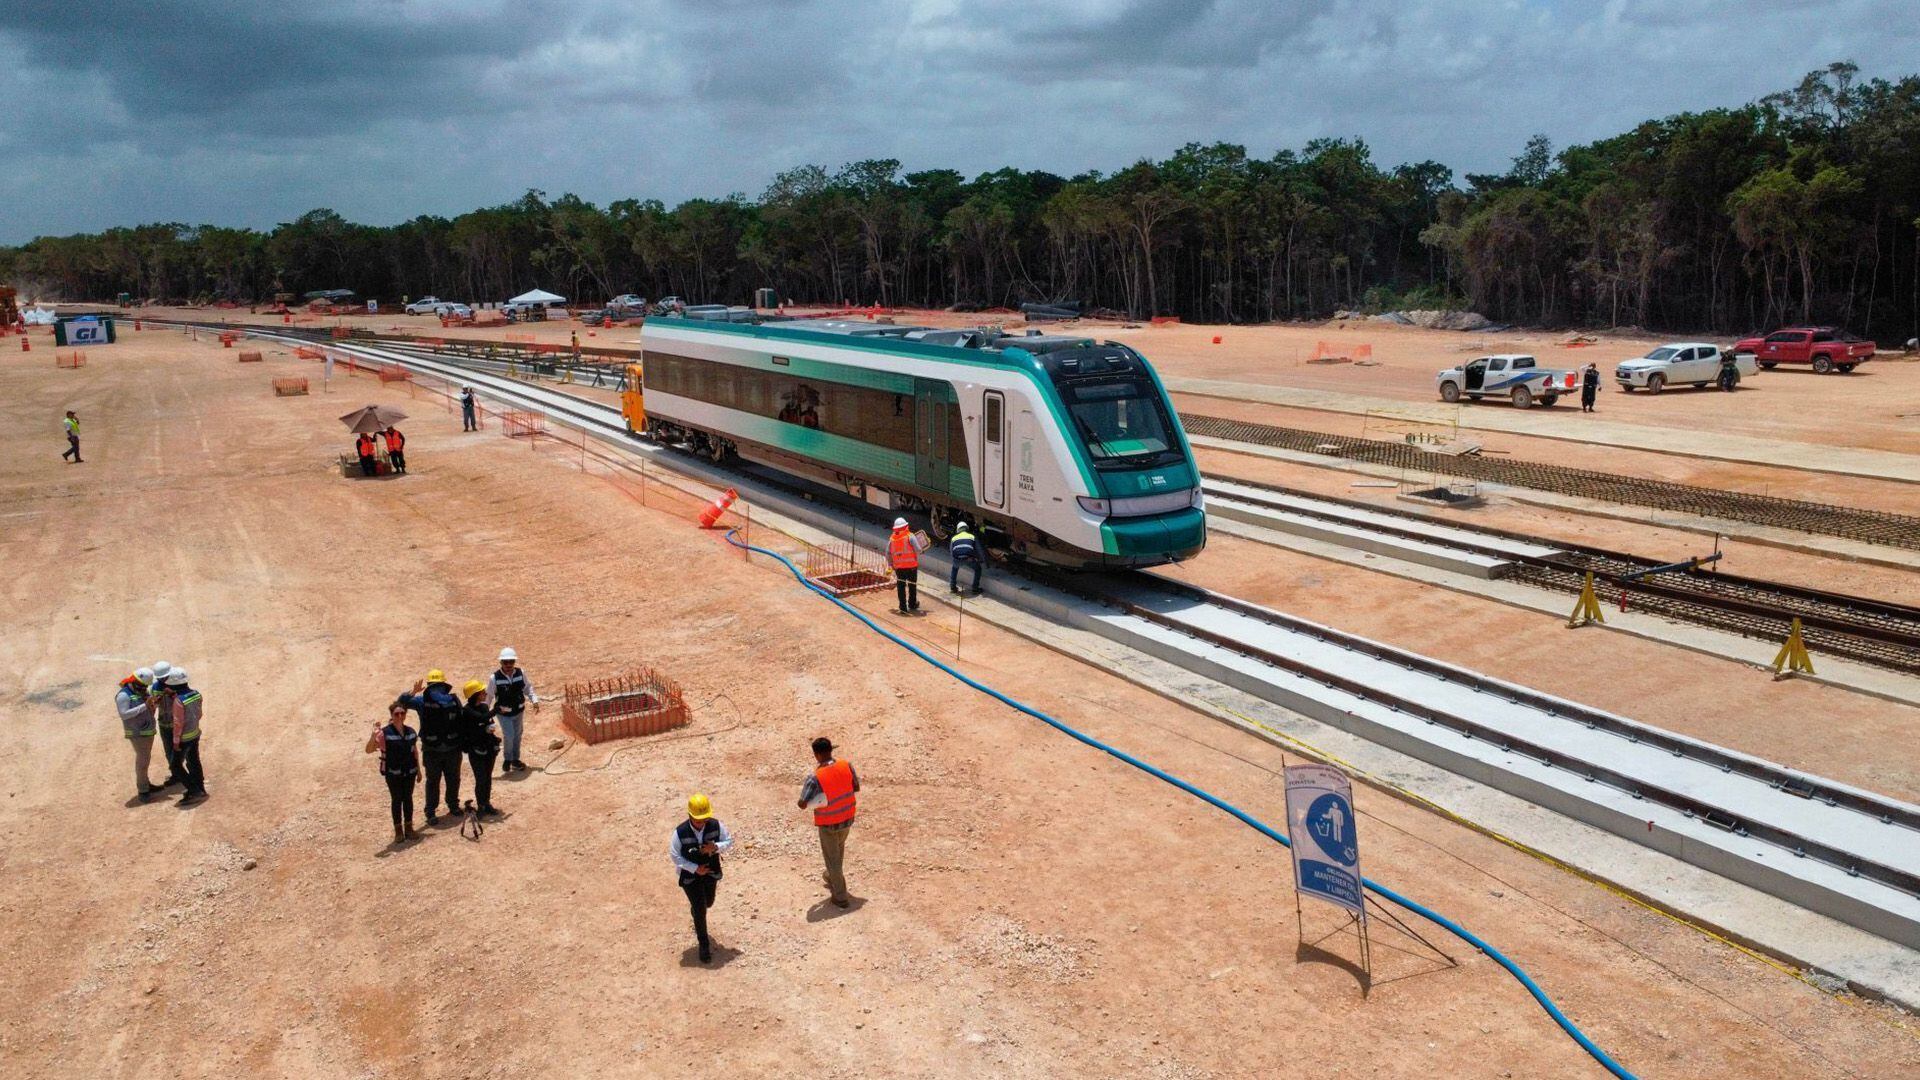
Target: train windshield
1122	423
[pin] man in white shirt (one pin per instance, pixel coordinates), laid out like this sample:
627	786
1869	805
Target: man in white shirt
697	844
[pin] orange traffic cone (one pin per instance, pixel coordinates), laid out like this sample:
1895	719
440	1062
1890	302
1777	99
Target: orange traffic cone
717	507
25	344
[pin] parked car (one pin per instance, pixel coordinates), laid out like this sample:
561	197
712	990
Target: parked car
1518	378
454	311
1823	348
627	301
1685	363
426	305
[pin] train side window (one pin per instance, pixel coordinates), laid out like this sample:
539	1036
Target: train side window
994	431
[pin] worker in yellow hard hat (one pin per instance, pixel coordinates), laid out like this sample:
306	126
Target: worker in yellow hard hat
481	742
440	741
697	844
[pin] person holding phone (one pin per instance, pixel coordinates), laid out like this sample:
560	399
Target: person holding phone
697	844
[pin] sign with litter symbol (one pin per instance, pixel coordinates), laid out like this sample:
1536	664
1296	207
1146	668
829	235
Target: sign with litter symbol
1326	840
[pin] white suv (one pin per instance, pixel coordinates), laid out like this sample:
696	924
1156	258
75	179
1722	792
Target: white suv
426	305
1693	363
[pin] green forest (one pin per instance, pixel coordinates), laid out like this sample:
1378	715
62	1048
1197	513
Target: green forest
1801	207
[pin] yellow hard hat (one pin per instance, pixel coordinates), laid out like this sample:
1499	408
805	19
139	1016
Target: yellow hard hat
473	687
436	675
699	807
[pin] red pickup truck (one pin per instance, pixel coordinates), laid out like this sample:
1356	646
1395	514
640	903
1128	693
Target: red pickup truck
1825	348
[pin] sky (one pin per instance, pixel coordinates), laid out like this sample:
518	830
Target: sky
252	112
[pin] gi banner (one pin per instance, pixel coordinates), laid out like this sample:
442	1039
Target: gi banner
1326	845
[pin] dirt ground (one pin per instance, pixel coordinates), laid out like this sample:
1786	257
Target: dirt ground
1025	906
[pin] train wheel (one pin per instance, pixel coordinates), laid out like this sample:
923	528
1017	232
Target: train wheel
940	523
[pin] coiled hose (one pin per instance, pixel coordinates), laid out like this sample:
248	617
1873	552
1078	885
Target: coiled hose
1205	796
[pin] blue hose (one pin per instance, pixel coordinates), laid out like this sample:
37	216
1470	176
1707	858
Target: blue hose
1245	818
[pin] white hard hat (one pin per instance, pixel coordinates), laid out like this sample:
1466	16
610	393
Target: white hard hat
899	523
178	677
508	654
145	675
160	669
962	527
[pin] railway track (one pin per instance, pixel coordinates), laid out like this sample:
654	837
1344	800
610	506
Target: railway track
1859	628
1841	850
1824	519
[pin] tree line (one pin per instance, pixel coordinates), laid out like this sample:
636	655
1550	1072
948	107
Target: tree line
1802	206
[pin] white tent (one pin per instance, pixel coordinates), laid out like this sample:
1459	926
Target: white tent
537	296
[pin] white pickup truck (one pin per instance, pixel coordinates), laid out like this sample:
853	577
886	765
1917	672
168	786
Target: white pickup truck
1681	363
1517	378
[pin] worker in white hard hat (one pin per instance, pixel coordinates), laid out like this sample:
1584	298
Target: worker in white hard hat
903	554
511	692
965	550
160	700
133	702
186	734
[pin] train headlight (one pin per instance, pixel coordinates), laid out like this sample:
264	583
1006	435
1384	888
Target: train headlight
1102	507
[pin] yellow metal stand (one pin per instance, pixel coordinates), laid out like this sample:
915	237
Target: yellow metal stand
1792	658
1587	608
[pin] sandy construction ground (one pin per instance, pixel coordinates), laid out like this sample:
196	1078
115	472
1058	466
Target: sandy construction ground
1026	907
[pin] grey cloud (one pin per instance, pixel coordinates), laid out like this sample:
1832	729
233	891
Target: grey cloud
251	113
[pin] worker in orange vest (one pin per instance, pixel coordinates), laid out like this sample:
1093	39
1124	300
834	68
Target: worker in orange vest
365	446
830	792
903	554
396	449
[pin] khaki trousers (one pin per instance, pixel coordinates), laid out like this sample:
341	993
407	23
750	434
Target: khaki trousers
142	754
833	848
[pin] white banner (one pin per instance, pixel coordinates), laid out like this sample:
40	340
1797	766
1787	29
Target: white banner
1326	842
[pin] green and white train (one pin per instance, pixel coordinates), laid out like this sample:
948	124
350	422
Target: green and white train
1063	449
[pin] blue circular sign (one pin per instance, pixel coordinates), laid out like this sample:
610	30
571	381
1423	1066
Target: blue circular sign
1330	821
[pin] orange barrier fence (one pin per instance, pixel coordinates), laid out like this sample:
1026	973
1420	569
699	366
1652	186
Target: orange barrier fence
1326	353
72	359
395	374
304	352
289	387
523	423
250	357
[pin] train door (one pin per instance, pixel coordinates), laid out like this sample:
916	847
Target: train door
633	401
993	451
930	401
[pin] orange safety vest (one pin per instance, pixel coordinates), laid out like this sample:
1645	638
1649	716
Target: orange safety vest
366	445
836	783
901	552
395	442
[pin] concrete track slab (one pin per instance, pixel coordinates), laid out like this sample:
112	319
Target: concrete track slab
1829	546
